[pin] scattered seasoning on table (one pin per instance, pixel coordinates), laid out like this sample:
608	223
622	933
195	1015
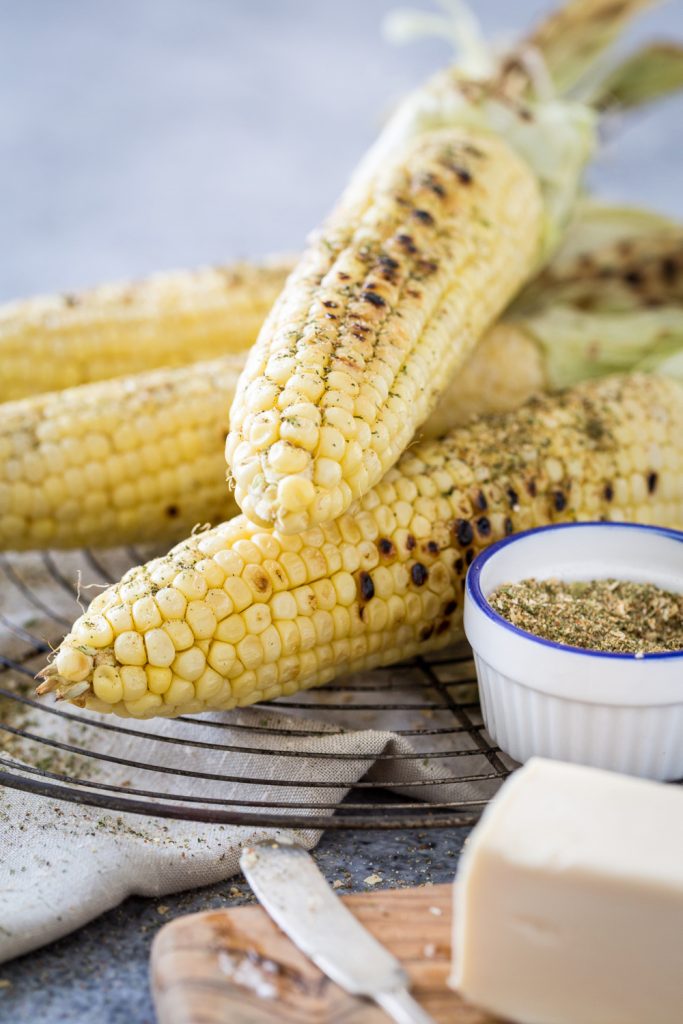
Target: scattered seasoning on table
598	615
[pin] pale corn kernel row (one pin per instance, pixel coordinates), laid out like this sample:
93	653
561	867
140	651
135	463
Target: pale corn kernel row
60	341
141	459
237	615
381	310
116	462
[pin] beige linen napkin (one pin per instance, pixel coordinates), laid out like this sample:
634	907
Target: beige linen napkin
63	864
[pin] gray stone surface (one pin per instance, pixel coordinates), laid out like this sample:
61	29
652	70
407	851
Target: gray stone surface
100	973
156	133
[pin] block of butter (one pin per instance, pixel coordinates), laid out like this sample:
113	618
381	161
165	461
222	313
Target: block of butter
569	900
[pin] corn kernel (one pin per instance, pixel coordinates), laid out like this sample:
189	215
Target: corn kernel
73	664
219	603
295	492
250	651
119	618
179	633
129	649
181	691
134	682
239	593
189	664
158	679
201	619
209	685
256	618
283	606
221	657
232	629
190	584
271	643
171	603
243	689
143	707
146	614
106	682
159	647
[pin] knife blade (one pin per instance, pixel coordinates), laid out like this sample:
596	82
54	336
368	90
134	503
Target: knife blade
288	884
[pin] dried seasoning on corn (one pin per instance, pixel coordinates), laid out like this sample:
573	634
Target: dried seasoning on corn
464	194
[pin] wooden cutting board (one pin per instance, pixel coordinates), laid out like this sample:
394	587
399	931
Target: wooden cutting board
237	967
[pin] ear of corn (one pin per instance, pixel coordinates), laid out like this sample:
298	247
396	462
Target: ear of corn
372	325
237	615
59	341
142	458
117	462
473	179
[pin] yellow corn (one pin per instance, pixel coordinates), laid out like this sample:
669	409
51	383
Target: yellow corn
141	458
59	341
115	462
463	195
237	614
374	321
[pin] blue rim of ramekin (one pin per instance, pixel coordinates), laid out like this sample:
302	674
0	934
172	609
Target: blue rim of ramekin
473	587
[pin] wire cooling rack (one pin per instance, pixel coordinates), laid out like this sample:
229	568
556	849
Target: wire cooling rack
57	751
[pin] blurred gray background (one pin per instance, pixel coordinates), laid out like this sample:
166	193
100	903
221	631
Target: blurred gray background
138	135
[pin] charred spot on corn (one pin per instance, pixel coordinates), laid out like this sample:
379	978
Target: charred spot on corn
373	298
366	587
419	574
424	216
633	278
386	547
608	492
559	500
652	482
407	242
463	175
669	269
463	532
483	526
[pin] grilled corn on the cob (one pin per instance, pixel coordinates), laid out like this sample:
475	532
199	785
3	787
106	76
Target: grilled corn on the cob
237	614
373	323
445	219
59	341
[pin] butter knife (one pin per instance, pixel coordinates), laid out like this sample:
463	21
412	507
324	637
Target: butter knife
289	885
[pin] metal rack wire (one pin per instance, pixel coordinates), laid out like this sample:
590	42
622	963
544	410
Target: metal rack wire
61	753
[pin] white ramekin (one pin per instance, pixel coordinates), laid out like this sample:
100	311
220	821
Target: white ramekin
617	711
